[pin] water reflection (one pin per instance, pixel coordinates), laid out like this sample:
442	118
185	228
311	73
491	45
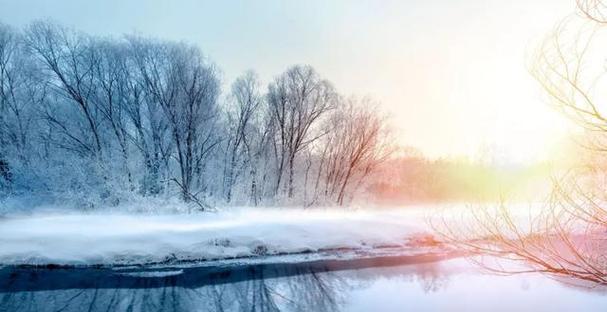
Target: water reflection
315	286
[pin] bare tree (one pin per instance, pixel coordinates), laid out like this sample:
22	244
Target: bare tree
8	49
186	88
595	10
69	60
242	114
110	75
357	141
151	128
563	239
566	238
297	100
21	94
78	112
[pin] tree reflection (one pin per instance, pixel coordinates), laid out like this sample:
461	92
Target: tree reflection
316	286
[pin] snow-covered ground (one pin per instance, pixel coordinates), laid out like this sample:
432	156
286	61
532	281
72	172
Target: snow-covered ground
110	238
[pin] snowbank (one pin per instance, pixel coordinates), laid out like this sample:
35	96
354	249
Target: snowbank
138	239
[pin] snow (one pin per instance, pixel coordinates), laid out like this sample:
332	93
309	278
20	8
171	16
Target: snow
153	274
110	238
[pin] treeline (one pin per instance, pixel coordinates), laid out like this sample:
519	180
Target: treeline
106	119
416	179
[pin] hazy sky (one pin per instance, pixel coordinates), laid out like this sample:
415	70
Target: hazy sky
451	73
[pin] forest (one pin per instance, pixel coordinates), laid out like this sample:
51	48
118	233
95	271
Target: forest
97	120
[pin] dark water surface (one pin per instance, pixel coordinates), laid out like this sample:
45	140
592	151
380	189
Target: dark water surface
431	284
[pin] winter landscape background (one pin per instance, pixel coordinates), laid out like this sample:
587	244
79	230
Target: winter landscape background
320	156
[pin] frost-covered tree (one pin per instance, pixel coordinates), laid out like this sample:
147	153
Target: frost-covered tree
357	142
68	60
178	79
9	105
297	101
103	120
21	94
242	119
150	128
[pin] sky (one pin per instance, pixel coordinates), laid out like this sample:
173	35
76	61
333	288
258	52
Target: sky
452	75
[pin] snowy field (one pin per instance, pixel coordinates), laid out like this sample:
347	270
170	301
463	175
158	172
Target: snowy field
110	238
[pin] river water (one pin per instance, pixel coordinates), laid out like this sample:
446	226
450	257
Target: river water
445	285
